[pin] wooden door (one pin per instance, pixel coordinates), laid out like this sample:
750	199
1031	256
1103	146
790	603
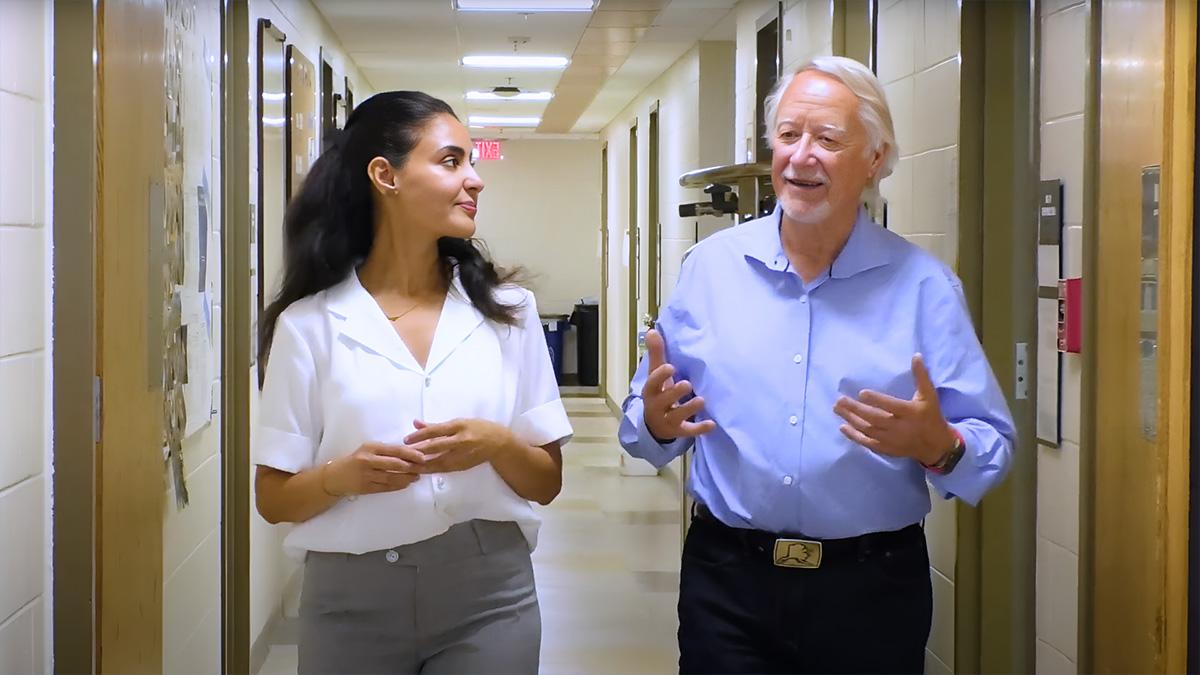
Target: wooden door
1133	578
129	458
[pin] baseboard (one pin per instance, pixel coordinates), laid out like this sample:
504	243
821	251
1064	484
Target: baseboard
262	644
671	470
276	623
616	409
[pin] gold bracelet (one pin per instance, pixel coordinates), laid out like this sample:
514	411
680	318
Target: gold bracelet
321	480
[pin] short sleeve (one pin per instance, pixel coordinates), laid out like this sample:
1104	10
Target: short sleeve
289	420
539	418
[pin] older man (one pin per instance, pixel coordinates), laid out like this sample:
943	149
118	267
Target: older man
824	369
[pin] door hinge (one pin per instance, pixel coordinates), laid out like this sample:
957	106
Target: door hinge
1021	386
97	408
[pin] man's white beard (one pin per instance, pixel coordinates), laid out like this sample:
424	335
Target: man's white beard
810	216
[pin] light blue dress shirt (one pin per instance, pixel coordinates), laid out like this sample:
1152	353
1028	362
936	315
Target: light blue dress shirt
771	355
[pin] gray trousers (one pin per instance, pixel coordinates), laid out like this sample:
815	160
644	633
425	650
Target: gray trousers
462	602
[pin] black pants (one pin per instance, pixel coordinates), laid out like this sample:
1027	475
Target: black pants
864	611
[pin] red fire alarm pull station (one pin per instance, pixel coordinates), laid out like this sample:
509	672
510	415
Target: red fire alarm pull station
1070	325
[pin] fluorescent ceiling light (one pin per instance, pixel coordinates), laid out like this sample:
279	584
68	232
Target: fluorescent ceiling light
503	121
524	6
515	61
523	96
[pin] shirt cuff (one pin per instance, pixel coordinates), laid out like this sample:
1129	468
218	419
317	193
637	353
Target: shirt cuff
969	480
544	424
638	442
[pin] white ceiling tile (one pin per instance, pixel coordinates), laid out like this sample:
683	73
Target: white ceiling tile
603	19
418	44
408	10
689	15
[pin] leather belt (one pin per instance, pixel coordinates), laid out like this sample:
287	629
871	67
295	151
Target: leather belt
800	552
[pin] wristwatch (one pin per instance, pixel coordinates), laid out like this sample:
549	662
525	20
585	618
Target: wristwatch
950	459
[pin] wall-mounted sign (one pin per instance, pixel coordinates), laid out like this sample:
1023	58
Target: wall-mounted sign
488	150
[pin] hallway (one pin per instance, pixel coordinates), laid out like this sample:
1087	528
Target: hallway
150	151
607	563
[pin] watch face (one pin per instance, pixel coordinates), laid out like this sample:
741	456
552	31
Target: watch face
955	455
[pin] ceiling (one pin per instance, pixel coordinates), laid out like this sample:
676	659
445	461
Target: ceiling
616	51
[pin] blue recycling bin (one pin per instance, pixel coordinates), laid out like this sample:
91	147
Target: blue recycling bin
555	327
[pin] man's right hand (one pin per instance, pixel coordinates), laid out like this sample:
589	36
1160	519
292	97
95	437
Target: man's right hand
665	418
372	468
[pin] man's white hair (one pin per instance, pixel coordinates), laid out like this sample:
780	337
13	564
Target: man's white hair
873	110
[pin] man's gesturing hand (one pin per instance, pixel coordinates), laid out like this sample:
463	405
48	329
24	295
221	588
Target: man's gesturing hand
665	418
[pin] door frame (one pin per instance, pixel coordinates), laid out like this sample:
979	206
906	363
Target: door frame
604	276
1179	201
75	396
998	174
237	340
633	234
1193	581
653	224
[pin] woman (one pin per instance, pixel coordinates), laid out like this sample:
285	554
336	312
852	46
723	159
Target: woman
409	412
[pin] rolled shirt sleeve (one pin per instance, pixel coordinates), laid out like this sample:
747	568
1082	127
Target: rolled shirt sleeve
970	397
633	435
540	418
290	418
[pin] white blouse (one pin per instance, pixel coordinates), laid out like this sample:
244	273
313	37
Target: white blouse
339	376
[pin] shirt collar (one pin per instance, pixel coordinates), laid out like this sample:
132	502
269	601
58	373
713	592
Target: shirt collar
867	247
360	319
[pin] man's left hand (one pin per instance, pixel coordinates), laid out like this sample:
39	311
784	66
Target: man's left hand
896	427
459	444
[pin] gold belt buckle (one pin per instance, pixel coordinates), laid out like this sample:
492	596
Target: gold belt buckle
798	553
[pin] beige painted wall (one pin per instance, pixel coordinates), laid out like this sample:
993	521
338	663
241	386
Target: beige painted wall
1064	27
748	13
807	31
270	570
540	210
25	384
693	132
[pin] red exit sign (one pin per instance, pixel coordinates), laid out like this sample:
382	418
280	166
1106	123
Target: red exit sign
487	150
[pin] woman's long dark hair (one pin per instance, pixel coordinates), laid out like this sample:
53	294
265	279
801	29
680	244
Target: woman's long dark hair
329	226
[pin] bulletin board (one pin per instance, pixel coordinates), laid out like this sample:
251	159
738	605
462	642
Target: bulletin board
186	203
302	117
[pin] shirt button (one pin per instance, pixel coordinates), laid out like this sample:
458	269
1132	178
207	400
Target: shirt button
787	480
441	483
797	358
391	556
428	380
793	420
804	300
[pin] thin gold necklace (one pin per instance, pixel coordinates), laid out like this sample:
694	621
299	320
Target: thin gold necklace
402	314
